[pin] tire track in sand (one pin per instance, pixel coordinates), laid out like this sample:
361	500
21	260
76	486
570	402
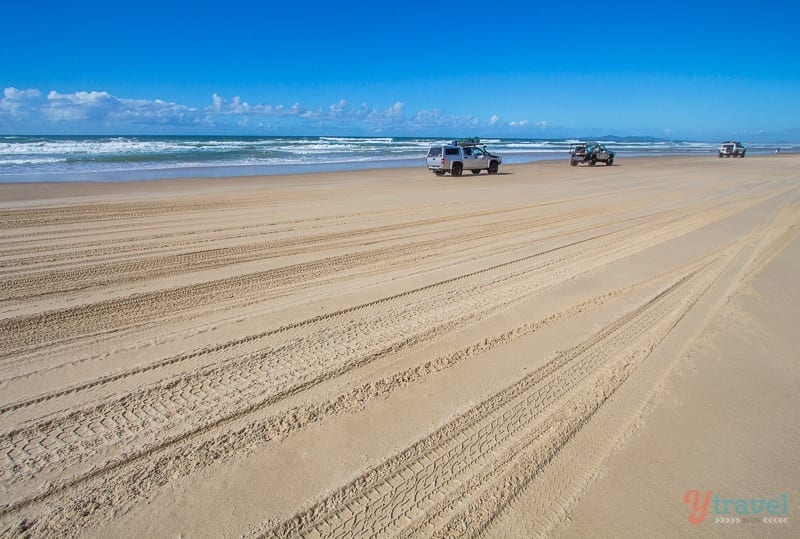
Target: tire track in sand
416	490
92	253
141	471
64	442
62	325
523	281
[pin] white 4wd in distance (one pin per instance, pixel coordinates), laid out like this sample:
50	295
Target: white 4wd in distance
461	155
731	148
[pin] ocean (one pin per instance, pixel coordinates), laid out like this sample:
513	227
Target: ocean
122	158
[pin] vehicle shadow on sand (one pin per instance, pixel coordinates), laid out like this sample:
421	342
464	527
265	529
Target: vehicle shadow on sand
598	166
474	176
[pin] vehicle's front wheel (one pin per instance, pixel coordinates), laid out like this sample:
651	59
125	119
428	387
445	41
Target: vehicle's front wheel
493	167
573	162
457	169
742	155
439	172
593	162
476	171
610	161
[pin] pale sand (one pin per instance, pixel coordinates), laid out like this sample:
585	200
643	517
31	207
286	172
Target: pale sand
552	350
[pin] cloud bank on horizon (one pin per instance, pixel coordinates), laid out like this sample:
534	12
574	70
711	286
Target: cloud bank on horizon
85	112
31	111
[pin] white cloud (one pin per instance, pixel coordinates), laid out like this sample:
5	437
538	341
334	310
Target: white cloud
13	94
339	112
17	103
236	106
142	111
79	106
397	110
102	107
494	120
313	114
429	117
338	109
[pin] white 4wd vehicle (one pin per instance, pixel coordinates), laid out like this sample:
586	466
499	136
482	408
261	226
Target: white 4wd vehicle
461	155
731	148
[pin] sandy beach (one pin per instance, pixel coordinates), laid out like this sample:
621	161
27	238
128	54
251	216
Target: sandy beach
550	351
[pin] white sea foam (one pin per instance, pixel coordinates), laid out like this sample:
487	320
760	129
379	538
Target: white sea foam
365	140
30	161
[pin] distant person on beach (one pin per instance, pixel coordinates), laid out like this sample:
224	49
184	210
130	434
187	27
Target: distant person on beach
777	151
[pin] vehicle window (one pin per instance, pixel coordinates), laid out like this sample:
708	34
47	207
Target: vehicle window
437	150
451	151
477	152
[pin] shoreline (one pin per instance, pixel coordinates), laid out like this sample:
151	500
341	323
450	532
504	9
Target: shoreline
294	169
10	191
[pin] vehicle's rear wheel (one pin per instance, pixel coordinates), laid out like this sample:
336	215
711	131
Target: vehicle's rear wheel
493	167
439	172
593	162
610	161
457	169
476	171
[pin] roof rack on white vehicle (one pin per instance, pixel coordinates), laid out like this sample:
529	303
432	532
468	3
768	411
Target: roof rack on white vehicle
466	141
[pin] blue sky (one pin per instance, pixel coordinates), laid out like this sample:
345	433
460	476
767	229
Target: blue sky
677	70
